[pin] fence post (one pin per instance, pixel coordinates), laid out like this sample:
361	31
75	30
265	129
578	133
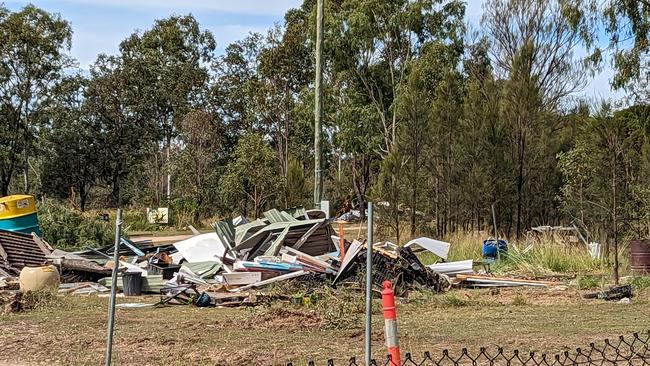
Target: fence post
390	321
341	241
368	337
111	306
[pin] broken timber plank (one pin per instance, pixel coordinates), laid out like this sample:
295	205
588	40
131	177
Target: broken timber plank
504	281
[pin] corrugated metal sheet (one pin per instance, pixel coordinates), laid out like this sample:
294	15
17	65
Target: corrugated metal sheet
313	237
18	250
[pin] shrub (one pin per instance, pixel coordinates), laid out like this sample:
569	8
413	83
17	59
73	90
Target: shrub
66	228
588	282
640	283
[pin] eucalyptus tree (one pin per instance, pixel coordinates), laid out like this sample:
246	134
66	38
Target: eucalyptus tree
72	156
118	106
33	59
172	58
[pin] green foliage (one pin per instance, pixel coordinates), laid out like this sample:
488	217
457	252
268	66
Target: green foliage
33	58
73	158
433	124
117	104
67	228
606	170
589	282
196	166
640	283
389	188
296	189
340	309
134	220
252	178
627	20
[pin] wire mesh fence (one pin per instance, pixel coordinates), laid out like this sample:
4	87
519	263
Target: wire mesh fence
634	350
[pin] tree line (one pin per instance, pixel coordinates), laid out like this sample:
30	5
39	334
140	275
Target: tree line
433	121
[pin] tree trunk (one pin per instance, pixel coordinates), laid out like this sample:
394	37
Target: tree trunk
414	192
197	212
83	195
4	187
115	193
360	180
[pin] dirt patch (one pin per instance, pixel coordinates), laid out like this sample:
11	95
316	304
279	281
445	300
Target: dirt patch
520	296
286	318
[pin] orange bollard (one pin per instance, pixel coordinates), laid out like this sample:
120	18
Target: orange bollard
390	321
341	241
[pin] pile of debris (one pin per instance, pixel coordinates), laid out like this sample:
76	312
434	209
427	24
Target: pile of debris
227	267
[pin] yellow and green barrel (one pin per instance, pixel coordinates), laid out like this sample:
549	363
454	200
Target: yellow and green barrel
18	213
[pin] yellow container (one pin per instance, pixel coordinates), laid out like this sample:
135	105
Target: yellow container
16	206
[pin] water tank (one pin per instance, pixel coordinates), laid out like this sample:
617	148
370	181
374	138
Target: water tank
640	256
18	213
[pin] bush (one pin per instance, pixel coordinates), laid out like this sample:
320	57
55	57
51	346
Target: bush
135	220
640	283
589	282
66	228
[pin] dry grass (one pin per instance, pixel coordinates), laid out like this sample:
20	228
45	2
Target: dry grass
545	257
74	333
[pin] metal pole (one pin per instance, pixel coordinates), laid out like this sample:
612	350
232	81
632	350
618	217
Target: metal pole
496	236
614	223
318	106
111	307
369	284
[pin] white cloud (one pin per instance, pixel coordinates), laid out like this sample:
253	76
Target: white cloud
229	33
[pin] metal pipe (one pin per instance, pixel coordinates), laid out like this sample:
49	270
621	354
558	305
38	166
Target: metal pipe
496	236
111	306
369	284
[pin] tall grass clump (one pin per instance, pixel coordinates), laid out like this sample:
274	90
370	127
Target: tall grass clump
545	256
463	246
548	257
135	220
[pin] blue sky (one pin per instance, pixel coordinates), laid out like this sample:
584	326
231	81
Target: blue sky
100	25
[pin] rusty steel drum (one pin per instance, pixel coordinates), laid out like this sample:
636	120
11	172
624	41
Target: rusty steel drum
640	256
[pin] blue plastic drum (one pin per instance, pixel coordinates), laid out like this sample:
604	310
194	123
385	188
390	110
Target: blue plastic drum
490	248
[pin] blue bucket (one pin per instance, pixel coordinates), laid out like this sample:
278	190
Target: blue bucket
490	248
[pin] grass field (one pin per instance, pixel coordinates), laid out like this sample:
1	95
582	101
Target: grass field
72	330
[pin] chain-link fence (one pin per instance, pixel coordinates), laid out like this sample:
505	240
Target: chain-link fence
634	350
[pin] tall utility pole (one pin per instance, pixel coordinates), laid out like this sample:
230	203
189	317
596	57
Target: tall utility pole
318	106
